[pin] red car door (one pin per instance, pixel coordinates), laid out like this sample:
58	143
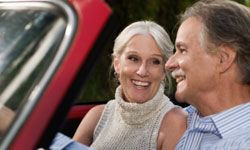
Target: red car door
67	34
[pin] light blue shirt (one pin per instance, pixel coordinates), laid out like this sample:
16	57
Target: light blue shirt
62	142
228	130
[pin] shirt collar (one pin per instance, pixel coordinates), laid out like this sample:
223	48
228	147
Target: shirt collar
196	123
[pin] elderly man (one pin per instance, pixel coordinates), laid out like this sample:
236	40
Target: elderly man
212	70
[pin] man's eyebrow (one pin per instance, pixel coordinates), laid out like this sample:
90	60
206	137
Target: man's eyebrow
179	44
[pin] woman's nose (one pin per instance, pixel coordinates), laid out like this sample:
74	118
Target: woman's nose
142	70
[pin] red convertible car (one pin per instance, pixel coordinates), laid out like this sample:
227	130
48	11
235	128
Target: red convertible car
47	48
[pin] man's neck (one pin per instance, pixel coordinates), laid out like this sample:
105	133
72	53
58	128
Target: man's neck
222	99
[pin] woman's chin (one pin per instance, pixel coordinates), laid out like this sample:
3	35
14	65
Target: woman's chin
139	100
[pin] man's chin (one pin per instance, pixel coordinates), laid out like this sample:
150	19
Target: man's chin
179	98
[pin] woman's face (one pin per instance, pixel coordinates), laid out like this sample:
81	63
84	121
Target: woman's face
140	68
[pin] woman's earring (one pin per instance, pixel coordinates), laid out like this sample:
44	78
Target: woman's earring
116	75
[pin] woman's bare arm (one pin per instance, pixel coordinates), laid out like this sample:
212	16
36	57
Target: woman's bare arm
172	128
85	131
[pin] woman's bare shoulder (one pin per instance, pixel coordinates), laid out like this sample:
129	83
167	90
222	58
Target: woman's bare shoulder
85	131
177	115
172	128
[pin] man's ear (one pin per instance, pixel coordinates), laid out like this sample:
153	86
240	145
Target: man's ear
227	57
117	64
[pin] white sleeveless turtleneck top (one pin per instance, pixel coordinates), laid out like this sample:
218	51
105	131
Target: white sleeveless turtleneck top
131	126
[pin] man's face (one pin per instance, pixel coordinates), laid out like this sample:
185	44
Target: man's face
193	68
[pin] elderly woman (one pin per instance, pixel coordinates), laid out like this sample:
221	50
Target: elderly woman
140	116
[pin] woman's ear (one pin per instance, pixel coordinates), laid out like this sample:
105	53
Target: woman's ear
164	73
227	57
117	65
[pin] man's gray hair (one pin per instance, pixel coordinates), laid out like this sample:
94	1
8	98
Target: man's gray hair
224	22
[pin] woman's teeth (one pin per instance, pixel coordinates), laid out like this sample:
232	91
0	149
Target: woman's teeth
140	83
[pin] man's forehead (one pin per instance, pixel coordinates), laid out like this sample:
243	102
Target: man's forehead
190	25
189	29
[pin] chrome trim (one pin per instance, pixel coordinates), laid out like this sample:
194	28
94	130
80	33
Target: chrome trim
38	90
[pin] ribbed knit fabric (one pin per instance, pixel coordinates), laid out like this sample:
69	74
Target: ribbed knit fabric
131	126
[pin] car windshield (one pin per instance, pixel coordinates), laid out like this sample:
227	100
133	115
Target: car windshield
28	43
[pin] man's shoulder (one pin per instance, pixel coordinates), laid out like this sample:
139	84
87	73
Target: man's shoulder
239	140
242	134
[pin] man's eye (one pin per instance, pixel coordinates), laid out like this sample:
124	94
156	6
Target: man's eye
183	51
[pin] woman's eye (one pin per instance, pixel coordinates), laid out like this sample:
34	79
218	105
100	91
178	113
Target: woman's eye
133	58
156	62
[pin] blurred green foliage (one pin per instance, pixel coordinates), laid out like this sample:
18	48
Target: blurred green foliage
247	2
100	85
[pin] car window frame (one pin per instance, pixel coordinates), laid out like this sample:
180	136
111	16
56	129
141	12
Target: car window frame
70	30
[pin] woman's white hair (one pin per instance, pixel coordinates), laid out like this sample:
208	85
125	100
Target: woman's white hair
160	36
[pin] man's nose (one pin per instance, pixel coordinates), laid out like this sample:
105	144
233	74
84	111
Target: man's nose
142	70
171	64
